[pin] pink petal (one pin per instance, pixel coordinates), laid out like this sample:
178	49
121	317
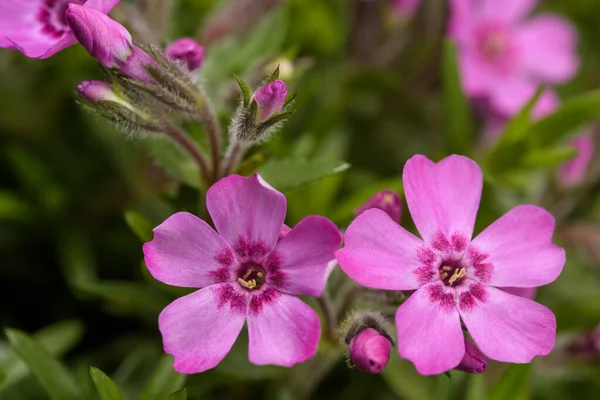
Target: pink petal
528	293
200	328
509	328
474	75
462	20
546	104
304	254
187	252
380	253
247	209
283	331
517	250
509	95
443	197
548	45
506	10
429	331
572	172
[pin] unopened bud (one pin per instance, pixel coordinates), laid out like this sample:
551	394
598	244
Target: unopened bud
572	172
94	91
387	201
270	99
587	346
108	41
186	51
370	351
473	362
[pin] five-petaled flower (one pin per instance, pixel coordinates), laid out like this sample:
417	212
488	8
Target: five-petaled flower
455	277
250	271
504	57
38	28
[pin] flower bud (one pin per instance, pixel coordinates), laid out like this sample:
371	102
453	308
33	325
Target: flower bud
387	201
573	171
370	351
94	91
108	41
473	362
270	99
187	51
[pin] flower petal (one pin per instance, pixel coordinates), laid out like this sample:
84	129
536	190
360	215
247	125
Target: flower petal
199	329
303	256
474	75
548	45
429	331
381	254
443	197
517	250
247	209
510	328
510	93
282	330
528	293
506	10
187	252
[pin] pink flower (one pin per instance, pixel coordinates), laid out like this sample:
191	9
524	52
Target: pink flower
505	57
386	200
187	51
407	7
572	172
37	28
455	277
270	99
370	351
246	273
473	361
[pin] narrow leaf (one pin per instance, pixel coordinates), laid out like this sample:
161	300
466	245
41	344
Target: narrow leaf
275	119
513	384
458	119
246	92
542	158
51	373
290	98
273	76
164	380
139	224
288	173
107	389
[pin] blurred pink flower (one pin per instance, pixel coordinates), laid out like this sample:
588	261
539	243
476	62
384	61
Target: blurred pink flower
386	200
38	28
456	277
187	51
572	172
406	7
247	274
505	57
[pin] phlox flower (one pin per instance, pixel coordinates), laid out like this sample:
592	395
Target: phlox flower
573	171
455	277
504	56
38	28
249	271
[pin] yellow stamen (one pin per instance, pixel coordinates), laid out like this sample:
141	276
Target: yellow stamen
457	275
447	268
248	285
444	275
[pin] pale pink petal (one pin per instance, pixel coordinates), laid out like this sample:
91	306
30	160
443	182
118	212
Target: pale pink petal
187	252
443	197
546	104
509	95
475	76
517	250
381	254
505	10
528	293
302	257
282	330
548	46
200	328
509	328
462	20
247	209
573	171
429	331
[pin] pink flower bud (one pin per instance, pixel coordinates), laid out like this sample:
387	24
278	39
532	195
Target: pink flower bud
188	51
94	91
386	200
370	351
270	99
572	172
473	362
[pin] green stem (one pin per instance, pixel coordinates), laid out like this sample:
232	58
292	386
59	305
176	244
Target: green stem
187	144
213	131
234	154
329	315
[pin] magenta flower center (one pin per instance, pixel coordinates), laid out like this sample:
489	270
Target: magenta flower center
452	273
251	277
496	46
52	16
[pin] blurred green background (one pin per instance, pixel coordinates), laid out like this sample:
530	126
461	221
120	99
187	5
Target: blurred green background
372	94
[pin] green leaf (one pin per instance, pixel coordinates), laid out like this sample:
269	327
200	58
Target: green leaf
246	92
513	384
275	119
106	388
13	208
572	115
289	99
164	380
57	339
51	373
174	160
543	158
139	224
289	173
458	119
517	128
475	387
178	395
273	76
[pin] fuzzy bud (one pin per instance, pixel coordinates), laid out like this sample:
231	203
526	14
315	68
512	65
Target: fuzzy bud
270	99
387	201
473	362
187	51
370	351
94	91
107	41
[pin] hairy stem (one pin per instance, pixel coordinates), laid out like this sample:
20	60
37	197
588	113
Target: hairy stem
234	154
329	314
187	144
213	130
